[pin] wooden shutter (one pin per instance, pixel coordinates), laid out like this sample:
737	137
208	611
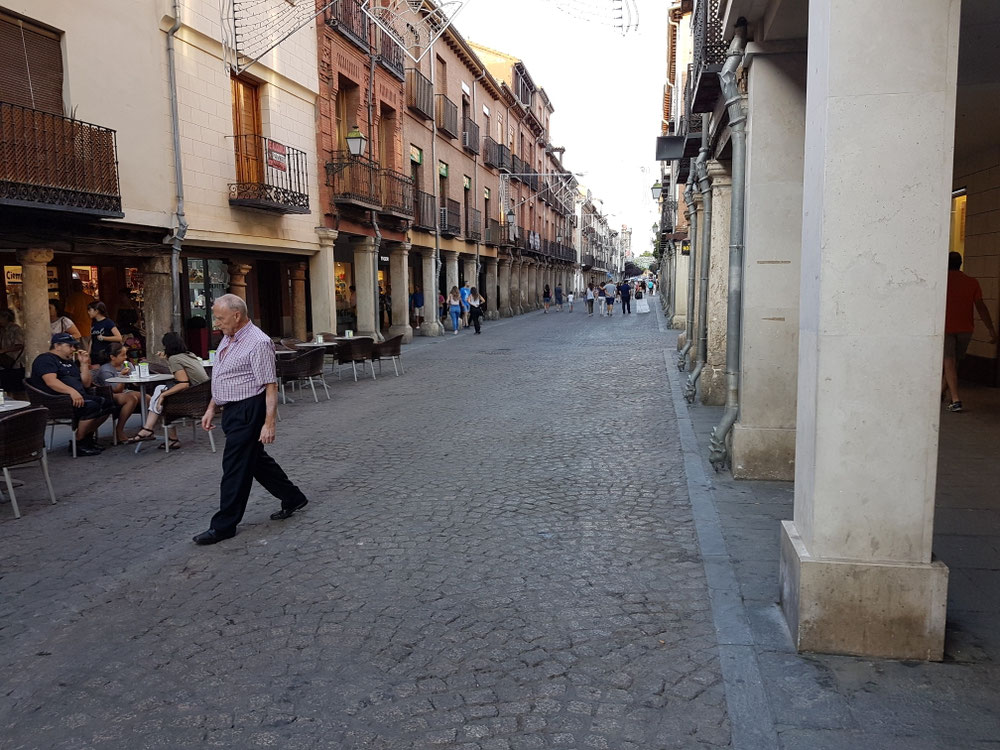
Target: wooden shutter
31	69
246	129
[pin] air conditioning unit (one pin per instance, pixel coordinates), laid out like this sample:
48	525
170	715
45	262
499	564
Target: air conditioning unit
468	141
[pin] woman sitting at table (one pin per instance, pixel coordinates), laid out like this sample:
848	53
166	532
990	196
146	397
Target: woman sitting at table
114	365
187	371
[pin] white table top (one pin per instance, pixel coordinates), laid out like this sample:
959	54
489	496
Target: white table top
151	378
10	405
314	344
286	352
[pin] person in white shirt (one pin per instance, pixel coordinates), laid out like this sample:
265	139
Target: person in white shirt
590	299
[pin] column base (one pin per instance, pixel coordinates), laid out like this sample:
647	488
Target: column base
679	321
431	328
493	315
404	330
506	313
879	610
763	453
712	384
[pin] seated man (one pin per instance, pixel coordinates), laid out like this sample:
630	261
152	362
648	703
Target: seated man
57	372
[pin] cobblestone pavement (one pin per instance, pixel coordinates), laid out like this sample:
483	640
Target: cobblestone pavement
498	554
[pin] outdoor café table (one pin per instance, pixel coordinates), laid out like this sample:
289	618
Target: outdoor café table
9	405
142	383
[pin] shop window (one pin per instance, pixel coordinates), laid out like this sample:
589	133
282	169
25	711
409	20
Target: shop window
957	236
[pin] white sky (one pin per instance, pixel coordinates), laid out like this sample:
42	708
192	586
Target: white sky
607	90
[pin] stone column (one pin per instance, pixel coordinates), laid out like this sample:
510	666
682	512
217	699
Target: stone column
399	280
698	220
492	303
764	436
450	258
298	274
158	301
680	289
469	271
533	288
431	326
516	271
505	288
857	576
713	377
322	283
238	279
364	286
35	315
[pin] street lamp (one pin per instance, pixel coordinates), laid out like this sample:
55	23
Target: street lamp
356	142
510	216
657	190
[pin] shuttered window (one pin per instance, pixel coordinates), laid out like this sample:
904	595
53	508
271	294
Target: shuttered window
31	69
246	129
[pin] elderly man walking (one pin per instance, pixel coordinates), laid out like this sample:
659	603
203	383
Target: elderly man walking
245	385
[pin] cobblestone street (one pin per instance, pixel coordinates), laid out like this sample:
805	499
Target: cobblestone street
525	579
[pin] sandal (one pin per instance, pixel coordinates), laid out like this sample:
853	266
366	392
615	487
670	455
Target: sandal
175	444
140	438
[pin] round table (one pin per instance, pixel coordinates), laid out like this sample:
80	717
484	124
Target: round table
11	405
142	383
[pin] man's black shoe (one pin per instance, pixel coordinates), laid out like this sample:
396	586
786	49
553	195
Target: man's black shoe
284	513
84	449
211	537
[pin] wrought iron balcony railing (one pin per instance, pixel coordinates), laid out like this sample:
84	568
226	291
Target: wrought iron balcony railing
447	117
419	93
425	214
347	17
397	194
270	176
354	180
517	168
708	55
496	233
587	260
451	218
390	55
473	225
470	135
57	163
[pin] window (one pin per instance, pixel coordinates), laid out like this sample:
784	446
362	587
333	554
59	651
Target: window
31	69
247	131
387	137
347	104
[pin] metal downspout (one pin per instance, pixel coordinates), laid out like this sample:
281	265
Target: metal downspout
177	238
692	215
374	214
705	185
719	453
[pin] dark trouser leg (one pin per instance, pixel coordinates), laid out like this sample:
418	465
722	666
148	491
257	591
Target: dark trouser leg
238	463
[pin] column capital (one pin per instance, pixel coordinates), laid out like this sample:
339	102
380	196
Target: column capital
449	254
156	264
363	244
399	247
719	175
298	272
488	260
327	237
426	252
41	255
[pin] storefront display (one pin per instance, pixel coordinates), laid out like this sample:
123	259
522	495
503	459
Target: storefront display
14	291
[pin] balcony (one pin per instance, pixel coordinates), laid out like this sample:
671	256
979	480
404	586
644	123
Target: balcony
496	233
390	55
419	93
517	169
709	55
473	225
447	117
470	135
496	155
397	194
451	219
270	176
347	17
354	180
588	261
58	164
426	212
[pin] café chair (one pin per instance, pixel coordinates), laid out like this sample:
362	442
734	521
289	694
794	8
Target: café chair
22	441
290	343
300	368
389	349
60	411
354	350
187	405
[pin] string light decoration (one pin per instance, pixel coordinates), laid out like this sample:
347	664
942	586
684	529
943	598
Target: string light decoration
413	24
621	15
252	28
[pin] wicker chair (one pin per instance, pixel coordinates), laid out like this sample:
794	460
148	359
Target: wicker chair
22	441
301	368
186	405
389	349
60	408
354	350
289	343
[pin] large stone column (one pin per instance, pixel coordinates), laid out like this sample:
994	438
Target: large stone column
506	278
533	273
680	289
431	325
322	283
469	271
364	286
450	258
522	286
857	575
764	436
238	279
35	315
492	303
399	280
158	301
298	274
698	221
713	377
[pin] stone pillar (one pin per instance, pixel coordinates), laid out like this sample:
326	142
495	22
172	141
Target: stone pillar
238	279
857	576
399	280
698	221
158	301
713	377
515	286
534	271
298	273
680	289
469	271
35	315
450	258
506	278
322	283
364	286
492	303
522	285
764	436
431	326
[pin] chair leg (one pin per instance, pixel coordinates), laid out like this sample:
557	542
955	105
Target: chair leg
10	489
401	364
45	470
373	370
283	399
394	366
313	386
355	366
211	439
52	434
166	439
72	436
325	388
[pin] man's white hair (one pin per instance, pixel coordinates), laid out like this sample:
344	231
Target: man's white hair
233	302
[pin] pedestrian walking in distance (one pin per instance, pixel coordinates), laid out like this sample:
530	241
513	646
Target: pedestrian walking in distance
625	290
964	296
569	299
609	295
601	300
455	306
475	303
546	298
559	297
590	299
245	385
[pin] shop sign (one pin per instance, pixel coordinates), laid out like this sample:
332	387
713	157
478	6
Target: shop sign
12	274
277	155
442	169
384	258
416	155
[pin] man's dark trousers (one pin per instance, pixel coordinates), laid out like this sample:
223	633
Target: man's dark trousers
245	460
626	305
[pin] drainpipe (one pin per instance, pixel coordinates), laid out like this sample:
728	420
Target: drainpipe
705	259
177	237
475	187
719	453
436	183
692	259
374	214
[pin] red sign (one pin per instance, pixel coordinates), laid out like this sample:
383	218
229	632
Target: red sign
277	156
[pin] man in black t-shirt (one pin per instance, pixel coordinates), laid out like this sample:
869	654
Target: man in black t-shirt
625	290
57	372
